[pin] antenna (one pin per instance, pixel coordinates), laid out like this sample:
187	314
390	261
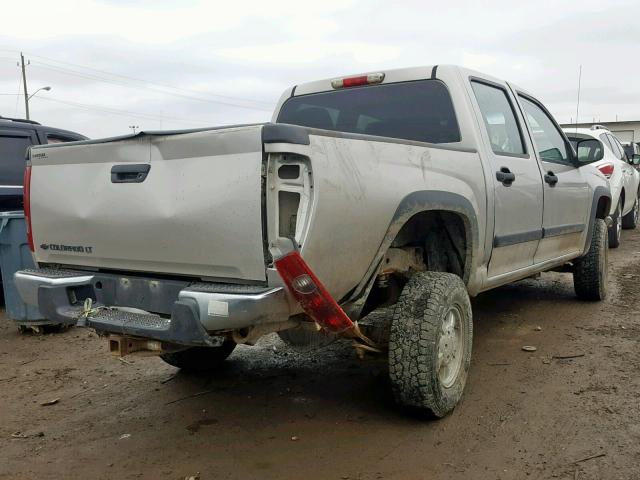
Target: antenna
578	104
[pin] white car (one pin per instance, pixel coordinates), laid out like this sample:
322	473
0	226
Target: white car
624	179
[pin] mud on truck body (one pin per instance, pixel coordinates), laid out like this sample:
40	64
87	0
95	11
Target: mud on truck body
371	206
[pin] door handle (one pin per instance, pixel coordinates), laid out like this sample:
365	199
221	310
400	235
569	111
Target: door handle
551	178
130	173
505	176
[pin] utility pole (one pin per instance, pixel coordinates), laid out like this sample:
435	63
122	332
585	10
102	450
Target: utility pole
24	82
578	102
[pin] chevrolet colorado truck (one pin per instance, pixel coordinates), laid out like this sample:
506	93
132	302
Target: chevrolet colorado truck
371	206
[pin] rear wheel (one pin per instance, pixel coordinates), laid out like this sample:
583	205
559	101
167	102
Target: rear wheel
630	220
616	227
430	342
200	359
590	271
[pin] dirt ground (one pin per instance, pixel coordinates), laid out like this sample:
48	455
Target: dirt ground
275	413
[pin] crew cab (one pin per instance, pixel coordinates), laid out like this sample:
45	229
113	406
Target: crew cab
371	206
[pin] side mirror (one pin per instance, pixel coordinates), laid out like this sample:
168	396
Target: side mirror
589	150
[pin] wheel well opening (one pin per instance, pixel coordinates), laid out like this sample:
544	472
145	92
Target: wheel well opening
604	205
434	240
441	235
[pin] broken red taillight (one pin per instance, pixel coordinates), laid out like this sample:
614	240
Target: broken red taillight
606	169
369	79
311	294
27	205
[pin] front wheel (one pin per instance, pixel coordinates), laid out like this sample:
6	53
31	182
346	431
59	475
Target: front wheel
200	359
430	342
630	220
590	270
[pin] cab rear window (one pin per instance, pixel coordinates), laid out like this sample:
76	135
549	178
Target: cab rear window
420	111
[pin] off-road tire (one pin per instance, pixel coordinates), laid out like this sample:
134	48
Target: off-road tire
590	272
418	319
614	230
199	359
630	220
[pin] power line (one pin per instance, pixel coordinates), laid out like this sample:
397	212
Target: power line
156	90
89	76
227	100
164	85
116	111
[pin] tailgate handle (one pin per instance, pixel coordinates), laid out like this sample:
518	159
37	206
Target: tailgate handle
130	173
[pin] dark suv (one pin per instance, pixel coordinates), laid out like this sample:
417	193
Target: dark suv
16	136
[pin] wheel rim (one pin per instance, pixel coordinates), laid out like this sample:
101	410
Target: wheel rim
619	220
450	347
635	212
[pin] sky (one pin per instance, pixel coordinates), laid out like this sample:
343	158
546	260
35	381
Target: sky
153	64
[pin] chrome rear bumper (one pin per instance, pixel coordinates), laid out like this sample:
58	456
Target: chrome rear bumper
174	311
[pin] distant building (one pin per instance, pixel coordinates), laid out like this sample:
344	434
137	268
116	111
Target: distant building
627	131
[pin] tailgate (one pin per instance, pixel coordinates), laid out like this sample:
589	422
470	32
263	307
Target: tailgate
197	211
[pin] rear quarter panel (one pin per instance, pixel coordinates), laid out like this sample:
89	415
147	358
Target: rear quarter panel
358	187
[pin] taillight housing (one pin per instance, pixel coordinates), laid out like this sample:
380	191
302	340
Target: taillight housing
606	169
369	79
314	299
27	205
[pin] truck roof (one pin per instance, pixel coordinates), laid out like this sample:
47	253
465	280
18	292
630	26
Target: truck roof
446	73
395	75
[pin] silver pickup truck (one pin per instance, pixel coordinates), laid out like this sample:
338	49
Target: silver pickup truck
372	206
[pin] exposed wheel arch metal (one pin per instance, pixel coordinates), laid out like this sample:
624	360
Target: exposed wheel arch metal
413	204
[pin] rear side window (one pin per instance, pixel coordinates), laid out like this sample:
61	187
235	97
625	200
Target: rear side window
605	140
617	148
12	159
55	138
421	111
499	119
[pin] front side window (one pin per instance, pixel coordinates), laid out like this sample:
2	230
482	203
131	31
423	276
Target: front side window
499	119
549	142
420	110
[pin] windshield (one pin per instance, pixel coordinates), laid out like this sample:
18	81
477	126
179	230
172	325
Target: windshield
421	110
